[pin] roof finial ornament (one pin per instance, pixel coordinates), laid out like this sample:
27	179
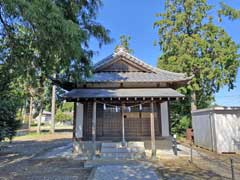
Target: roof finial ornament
123	47
120	48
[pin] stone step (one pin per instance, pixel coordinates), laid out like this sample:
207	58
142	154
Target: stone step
122	156
111	145
132	150
136	144
122	150
102	162
116	150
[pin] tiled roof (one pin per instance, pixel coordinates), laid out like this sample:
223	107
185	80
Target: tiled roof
152	73
135	77
122	93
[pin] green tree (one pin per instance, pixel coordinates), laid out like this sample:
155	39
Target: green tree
229	12
191	43
9	103
124	42
40	39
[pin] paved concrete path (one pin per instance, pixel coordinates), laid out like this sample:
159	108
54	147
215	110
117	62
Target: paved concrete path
124	172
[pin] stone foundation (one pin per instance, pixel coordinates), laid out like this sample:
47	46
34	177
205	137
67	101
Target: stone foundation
85	149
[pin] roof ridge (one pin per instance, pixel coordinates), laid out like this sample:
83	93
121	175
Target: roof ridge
135	60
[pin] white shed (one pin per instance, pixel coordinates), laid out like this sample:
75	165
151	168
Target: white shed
217	129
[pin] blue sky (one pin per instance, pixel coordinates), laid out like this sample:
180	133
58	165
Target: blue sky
136	17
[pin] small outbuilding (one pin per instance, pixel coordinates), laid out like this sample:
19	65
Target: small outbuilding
217	129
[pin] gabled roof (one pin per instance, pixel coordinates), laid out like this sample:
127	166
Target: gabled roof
146	72
122	69
121	54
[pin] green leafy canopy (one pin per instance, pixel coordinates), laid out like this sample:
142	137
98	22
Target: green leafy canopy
193	44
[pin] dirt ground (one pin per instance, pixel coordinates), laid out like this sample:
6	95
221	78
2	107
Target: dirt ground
20	160
181	168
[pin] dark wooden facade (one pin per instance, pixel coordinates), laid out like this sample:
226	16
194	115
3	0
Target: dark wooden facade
122	80
109	122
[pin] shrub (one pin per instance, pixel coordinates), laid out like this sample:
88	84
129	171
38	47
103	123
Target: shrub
8	122
180	127
62	116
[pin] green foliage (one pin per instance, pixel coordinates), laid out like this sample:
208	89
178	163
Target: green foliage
8	122
67	107
228	11
40	39
124	42
63	116
191	43
47	37
9	103
179	127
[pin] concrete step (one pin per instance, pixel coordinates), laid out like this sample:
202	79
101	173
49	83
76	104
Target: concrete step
122	150
111	145
116	150
132	150
102	162
122	156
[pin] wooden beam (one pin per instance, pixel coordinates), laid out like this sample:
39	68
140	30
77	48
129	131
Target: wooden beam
94	127
123	125
153	143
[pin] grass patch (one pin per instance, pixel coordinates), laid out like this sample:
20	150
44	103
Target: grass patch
31	135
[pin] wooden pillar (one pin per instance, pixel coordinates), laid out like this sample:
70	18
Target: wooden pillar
123	125
165	119
153	144
79	121
74	119
53	109
94	127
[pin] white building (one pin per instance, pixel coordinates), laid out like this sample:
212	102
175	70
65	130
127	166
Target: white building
46	117
217	129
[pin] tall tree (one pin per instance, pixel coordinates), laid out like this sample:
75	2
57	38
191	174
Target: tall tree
191	43
43	38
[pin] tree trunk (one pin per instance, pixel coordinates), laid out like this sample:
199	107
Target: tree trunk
193	101
53	109
39	121
30	113
22	114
